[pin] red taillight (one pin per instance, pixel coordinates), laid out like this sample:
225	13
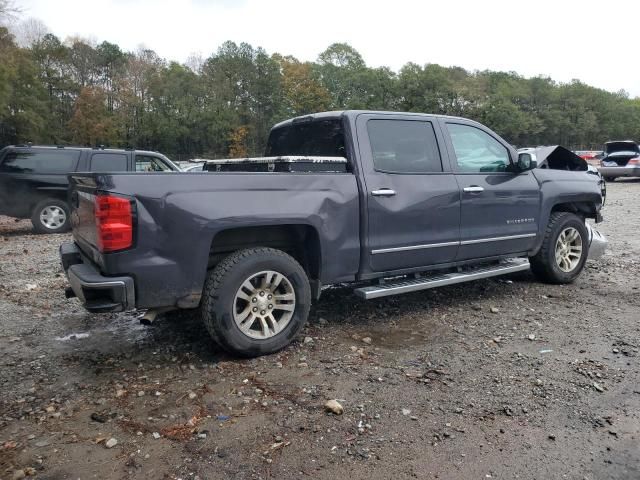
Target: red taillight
634	161
114	223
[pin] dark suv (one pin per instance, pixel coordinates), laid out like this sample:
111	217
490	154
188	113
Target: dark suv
33	179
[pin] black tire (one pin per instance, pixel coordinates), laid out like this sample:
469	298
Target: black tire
219	300
609	179
43	226
544	265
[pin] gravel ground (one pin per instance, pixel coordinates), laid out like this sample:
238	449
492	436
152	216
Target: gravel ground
502	378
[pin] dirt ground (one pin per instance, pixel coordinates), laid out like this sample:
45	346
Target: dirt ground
503	378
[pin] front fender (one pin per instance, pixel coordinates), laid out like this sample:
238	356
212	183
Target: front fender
560	190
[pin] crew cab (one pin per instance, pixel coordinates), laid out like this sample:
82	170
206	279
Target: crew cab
33	179
391	202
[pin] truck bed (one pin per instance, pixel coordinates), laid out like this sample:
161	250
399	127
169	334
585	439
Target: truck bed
177	217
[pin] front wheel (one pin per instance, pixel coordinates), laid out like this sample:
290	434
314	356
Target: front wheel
564	249
256	301
51	216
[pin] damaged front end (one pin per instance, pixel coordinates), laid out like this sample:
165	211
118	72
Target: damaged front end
556	157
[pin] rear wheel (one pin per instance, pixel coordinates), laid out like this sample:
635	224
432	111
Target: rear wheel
256	301
51	216
564	249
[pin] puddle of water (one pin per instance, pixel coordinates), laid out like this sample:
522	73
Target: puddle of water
129	328
407	331
120	327
73	336
396	337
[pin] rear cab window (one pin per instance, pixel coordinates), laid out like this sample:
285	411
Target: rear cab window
319	137
46	161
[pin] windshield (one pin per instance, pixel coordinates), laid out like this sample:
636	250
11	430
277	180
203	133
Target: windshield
171	165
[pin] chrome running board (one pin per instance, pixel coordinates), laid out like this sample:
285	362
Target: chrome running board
440	280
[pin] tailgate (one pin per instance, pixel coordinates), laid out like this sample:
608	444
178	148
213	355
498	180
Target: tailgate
82	197
102	221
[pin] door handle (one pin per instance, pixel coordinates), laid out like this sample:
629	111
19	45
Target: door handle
473	189
383	192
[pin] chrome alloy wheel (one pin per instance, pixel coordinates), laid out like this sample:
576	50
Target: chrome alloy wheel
568	249
53	217
264	304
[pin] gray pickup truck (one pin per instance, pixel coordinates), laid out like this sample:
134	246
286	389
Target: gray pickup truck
391	202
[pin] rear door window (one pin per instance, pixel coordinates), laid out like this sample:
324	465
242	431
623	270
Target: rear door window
40	161
404	146
108	162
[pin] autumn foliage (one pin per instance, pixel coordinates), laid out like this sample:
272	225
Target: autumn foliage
91	124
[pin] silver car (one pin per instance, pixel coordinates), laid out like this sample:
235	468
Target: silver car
621	159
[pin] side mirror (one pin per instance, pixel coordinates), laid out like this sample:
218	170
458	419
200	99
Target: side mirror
526	161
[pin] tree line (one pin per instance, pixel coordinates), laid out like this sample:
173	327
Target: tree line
81	93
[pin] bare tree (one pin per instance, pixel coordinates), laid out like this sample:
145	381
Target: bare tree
8	12
29	32
195	62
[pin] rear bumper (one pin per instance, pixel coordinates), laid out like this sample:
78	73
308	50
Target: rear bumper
597	243
97	293
619	171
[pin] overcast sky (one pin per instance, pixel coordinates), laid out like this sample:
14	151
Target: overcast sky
594	41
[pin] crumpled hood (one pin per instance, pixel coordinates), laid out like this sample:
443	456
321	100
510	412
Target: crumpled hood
556	157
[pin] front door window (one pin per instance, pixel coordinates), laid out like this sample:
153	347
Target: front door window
147	163
476	150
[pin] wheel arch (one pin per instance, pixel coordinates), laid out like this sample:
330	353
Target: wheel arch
583	207
40	195
301	241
